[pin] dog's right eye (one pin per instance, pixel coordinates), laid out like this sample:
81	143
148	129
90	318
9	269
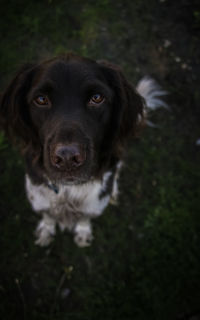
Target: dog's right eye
42	101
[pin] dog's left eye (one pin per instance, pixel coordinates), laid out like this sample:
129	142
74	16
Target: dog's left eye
42	101
96	99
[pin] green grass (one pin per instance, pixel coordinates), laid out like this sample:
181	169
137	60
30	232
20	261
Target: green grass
144	262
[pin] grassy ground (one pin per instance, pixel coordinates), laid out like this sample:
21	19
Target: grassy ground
145	259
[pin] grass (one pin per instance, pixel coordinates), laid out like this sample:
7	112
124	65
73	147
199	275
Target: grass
145	259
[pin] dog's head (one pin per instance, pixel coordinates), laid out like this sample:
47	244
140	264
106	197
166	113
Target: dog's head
72	114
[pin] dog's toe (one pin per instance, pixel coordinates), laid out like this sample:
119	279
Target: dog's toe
83	234
83	240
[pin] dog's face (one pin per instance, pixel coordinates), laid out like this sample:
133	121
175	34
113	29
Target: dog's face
73	112
70	106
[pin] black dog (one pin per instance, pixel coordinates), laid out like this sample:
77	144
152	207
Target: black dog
73	117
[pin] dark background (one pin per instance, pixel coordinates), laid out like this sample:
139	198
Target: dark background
144	262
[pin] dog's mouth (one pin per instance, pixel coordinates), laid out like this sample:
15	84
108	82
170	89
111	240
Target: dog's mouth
55	181
70	179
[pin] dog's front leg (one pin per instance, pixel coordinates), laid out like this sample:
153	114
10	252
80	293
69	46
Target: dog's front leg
45	230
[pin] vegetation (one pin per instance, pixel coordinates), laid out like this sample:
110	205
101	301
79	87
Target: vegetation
145	260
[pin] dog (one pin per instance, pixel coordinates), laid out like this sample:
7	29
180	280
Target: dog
72	117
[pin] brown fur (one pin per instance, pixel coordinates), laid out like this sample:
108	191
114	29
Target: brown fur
19	118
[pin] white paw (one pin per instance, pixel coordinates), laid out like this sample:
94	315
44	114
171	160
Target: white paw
43	239
83	234
44	233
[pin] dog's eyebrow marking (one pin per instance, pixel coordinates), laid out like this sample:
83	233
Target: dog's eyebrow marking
45	85
95	86
42	87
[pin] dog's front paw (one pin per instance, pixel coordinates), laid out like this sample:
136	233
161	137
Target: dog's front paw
83	240
43	239
83	234
44	233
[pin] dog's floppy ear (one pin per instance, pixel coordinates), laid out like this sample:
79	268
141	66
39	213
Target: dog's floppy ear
14	113
128	104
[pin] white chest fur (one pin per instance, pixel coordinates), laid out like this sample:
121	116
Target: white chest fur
72	207
80	198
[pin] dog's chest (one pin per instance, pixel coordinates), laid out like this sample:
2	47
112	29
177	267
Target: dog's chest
85	199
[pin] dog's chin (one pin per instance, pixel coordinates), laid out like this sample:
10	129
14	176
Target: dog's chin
72	181
65	178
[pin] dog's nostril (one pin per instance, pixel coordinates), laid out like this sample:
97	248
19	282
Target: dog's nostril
57	160
77	159
68	156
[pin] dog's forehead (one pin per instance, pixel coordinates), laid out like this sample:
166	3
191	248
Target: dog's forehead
73	71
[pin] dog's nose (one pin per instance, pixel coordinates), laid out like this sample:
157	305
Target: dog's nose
68	156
